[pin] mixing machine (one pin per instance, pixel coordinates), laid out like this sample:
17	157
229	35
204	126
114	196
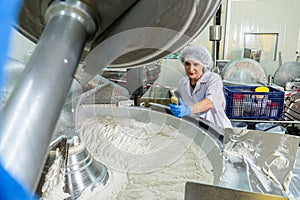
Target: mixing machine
100	33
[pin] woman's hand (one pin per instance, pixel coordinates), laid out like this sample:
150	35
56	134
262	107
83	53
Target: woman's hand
180	110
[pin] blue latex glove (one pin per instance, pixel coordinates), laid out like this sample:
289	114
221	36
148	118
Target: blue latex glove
180	110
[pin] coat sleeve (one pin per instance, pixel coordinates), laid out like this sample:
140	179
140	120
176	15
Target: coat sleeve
215	91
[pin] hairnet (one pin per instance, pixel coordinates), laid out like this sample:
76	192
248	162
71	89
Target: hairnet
197	54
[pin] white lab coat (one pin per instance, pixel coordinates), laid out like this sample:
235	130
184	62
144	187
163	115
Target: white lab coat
209	86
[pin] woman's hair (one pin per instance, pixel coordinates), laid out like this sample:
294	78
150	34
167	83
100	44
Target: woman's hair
197	54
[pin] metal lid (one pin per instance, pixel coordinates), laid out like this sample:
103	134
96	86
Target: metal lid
184	20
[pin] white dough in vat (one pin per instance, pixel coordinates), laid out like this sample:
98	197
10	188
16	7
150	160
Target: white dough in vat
109	139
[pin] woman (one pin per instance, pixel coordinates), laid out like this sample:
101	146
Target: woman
201	90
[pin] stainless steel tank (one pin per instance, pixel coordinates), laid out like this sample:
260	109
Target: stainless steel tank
287	72
184	20
207	143
244	71
82	171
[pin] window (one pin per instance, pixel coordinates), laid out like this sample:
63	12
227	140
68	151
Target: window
266	42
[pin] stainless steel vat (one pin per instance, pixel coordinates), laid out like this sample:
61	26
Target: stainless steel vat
244	71
199	136
186	18
287	72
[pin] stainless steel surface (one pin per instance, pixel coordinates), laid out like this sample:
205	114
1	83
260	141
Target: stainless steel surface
234	171
210	128
78	10
198	191
215	33
205	142
284	120
186	18
82	170
287	72
135	35
159	107
268	160
32	16
31	113
292	108
294	190
270	80
244	70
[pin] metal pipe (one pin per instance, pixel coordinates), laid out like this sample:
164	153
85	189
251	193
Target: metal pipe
31	113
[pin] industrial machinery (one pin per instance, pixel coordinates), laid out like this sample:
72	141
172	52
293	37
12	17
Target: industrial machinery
99	33
244	71
286	74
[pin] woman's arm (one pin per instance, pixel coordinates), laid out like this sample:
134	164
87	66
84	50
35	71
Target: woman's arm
213	94
202	106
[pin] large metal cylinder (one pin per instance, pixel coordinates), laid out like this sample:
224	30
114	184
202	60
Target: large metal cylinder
187	18
31	113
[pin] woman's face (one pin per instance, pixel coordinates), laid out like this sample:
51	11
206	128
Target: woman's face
193	70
